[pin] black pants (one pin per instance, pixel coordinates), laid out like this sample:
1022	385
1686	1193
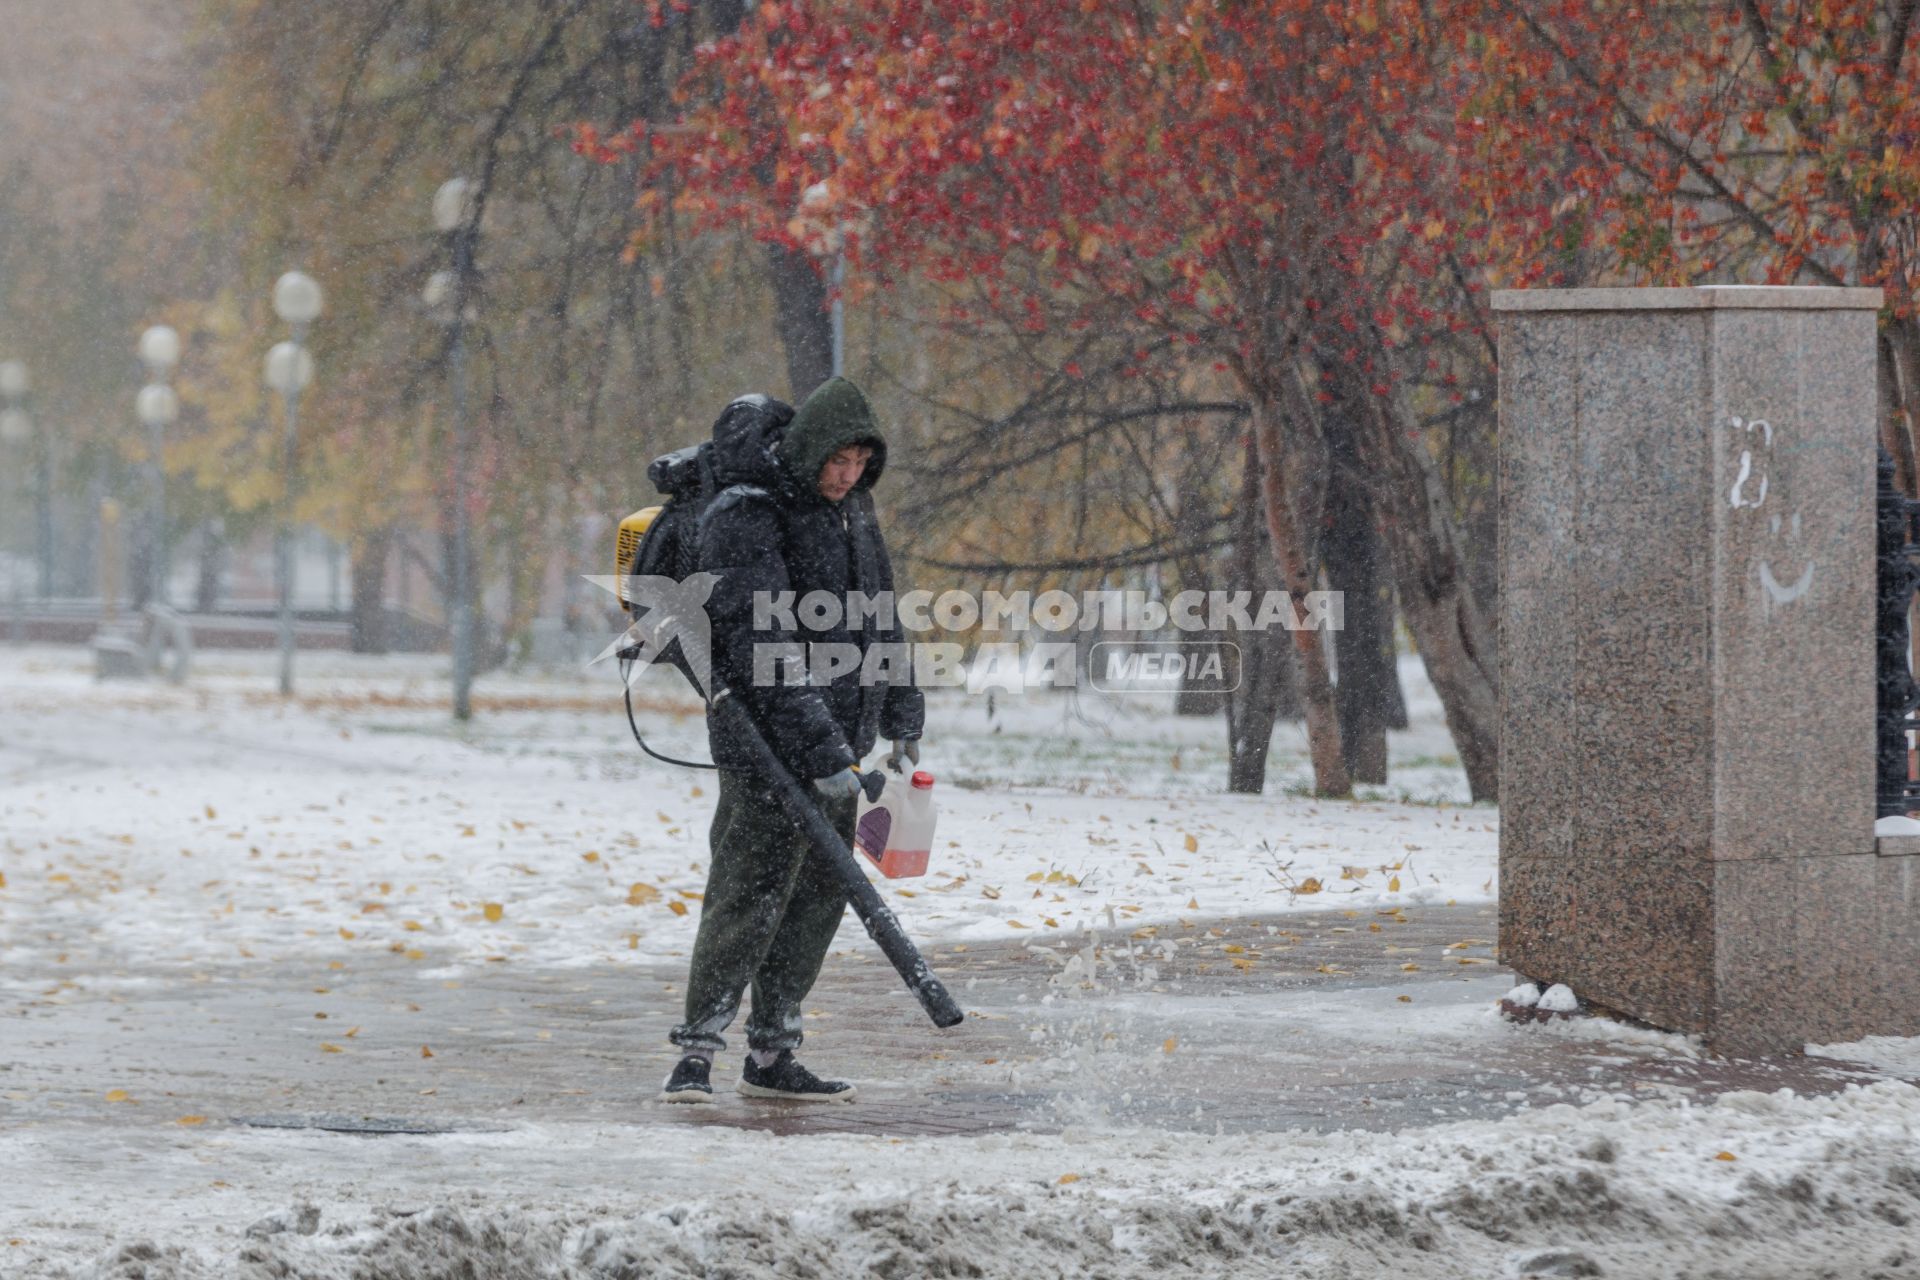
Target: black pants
771	909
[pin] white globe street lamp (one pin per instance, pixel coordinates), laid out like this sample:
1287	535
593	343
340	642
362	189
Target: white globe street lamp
157	405
16	427
160	350
158	408
452	205
297	299
289	368
437	296
448	298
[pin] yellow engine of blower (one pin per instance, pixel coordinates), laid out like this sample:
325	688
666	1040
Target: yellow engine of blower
626	542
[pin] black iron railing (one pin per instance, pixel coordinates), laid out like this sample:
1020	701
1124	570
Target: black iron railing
1898	695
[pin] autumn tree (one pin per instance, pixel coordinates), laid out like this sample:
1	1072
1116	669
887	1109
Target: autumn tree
1258	187
1746	141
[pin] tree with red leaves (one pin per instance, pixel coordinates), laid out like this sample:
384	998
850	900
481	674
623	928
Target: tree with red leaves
1261	186
1749	141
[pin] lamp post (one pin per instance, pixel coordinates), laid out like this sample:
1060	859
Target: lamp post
16	429
158	408
448	300
814	211
16	424
289	369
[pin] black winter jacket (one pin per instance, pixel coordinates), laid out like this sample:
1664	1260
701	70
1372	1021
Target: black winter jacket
771	531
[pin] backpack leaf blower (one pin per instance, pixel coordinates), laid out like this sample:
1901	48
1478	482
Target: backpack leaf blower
660	542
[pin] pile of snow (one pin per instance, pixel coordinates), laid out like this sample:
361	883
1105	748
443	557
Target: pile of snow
1756	1184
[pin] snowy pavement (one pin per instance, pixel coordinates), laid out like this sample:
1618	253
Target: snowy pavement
1209	1032
147	825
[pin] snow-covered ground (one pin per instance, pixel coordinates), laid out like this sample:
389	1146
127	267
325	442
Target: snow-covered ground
1757	1185
146	831
150	825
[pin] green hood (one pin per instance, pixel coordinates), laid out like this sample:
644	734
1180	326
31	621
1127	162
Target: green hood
834	416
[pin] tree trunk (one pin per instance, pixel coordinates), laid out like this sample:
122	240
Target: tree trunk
1197	573
367	573
1290	484
213	548
1449	627
1395	694
1350	548
1267	688
140	573
800	312
1899	377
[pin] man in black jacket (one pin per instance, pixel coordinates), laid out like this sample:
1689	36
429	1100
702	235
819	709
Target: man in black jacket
794	518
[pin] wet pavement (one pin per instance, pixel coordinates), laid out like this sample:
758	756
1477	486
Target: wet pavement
1323	1020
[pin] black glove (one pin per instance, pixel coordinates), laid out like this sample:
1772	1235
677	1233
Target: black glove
839	788
908	747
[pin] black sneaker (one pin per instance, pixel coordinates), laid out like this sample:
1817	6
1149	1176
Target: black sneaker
688	1083
788	1079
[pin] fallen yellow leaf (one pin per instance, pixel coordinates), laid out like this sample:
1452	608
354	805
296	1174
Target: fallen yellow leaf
425	1052
330	1048
1309	885
1393	885
348	934
678	907
640	894
1065	1178
119	1095
191	1120
1170	1044
1726	1155
493	911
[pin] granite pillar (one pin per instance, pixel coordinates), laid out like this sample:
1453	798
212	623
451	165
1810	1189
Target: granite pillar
1687	663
